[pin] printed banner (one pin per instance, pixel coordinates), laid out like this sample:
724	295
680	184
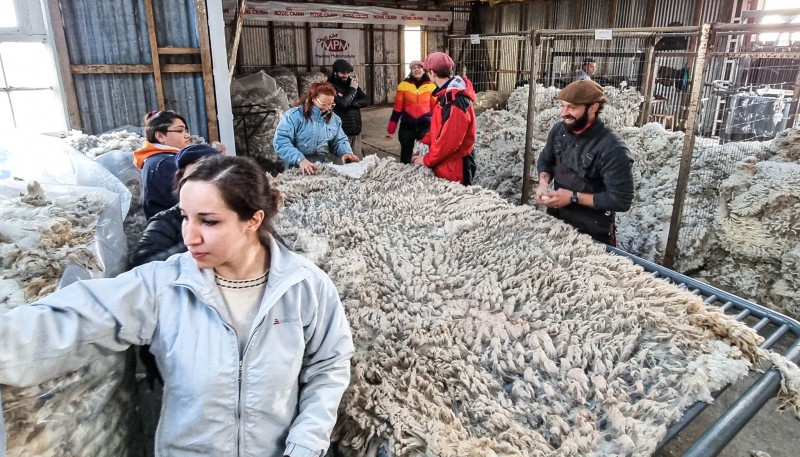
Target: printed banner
315	12
329	45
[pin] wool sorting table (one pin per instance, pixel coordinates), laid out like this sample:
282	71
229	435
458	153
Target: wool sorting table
772	325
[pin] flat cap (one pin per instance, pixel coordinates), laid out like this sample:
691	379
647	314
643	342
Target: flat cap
438	61
342	66
583	92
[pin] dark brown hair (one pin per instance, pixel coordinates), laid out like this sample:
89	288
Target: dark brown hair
314	91
244	187
443	73
159	121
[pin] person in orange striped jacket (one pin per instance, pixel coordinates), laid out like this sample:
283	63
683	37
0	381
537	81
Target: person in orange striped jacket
412	107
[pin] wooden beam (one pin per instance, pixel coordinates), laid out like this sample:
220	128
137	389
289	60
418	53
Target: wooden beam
62	54
133	69
208	74
650	14
576	14
151	32
172	50
182	68
233	50
108	69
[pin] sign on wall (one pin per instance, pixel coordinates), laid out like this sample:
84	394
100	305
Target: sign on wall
315	12
329	45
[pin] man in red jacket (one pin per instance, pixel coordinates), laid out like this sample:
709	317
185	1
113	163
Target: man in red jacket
453	126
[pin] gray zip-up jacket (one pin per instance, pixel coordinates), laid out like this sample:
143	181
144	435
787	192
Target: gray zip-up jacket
281	399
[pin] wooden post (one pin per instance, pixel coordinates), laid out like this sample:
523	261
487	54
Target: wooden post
237	34
151	32
208	75
62	52
528	164
650	15
670	251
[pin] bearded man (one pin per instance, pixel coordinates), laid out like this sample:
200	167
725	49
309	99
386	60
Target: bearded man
588	165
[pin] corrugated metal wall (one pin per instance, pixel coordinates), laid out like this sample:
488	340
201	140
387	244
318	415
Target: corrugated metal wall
115	32
560	14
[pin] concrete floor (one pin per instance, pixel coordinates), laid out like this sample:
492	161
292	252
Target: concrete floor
374	120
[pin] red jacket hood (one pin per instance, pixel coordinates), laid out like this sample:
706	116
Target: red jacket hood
456	85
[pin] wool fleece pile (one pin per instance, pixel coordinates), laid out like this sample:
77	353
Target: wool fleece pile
483	328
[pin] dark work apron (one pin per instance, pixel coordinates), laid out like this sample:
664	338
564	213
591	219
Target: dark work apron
597	224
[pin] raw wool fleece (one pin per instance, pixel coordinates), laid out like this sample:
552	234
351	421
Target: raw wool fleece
476	318
84	413
500	152
93	146
758	224
96	146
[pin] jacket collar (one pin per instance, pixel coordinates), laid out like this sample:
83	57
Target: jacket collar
284	265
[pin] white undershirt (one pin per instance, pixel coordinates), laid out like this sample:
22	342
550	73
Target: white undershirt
242	298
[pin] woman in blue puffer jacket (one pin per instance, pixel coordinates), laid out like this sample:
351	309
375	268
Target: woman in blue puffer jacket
309	132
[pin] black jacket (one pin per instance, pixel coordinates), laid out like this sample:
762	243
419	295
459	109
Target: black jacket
161	238
158	181
598	155
349	102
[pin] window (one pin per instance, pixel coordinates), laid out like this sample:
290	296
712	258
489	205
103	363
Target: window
8	14
780	39
30	96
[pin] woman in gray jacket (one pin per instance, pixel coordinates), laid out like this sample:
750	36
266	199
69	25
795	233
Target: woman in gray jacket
251	339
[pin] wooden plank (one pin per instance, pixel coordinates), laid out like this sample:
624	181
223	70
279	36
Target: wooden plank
208	75
170	50
237	35
650	14
182	68
576	14
131	69
106	69
62	53
151	32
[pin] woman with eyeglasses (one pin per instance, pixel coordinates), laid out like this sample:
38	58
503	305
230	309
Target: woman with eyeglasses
309	132
166	133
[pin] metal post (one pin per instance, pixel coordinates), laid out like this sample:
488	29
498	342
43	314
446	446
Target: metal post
526	169
688	146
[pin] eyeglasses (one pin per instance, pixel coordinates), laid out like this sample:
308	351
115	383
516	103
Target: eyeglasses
182	131
325	105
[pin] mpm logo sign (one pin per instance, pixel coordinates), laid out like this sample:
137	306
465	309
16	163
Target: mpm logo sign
332	44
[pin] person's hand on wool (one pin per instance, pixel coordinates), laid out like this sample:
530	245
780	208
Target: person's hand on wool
308	167
350	158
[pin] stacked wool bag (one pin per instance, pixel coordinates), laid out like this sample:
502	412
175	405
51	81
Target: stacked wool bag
758	225
252	96
84	413
483	328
